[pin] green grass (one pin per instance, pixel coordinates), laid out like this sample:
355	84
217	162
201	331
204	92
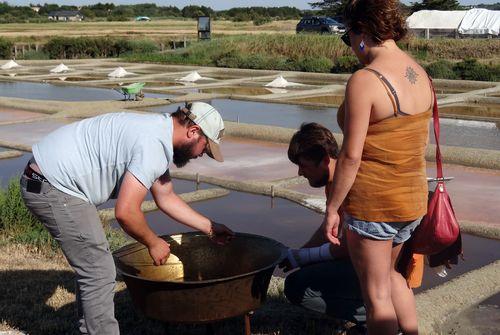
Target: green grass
309	52
326	53
19	226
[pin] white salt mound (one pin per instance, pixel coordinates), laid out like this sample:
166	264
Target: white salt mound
9	65
281	82
60	68
191	77
119	72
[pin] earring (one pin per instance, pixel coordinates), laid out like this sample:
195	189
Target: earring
362	45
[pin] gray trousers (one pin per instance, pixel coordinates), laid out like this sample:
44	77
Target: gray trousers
75	225
330	288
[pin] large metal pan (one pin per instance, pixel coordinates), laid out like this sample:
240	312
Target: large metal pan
202	282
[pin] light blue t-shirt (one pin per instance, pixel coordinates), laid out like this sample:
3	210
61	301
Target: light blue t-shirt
87	159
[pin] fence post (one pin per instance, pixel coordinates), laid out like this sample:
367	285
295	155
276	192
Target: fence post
427	34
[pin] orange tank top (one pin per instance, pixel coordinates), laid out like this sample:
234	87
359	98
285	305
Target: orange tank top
391	183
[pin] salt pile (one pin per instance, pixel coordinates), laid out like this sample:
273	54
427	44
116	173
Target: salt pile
60	68
10	65
119	72
281	82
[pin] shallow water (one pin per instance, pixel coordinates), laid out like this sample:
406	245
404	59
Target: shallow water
274	114
44	91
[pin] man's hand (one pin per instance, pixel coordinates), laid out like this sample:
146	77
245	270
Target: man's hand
331	225
220	234
159	251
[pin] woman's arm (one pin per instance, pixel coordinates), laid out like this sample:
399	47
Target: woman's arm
358	105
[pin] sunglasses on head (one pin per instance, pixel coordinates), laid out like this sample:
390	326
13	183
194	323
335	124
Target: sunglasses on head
345	38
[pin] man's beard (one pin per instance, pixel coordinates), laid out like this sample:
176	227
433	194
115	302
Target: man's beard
183	154
319	182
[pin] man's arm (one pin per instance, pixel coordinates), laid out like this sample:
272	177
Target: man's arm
130	217
172	205
319	238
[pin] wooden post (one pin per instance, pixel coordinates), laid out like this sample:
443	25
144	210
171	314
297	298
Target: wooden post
427	34
185	44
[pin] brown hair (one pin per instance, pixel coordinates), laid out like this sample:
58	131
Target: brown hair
312	142
382	20
181	114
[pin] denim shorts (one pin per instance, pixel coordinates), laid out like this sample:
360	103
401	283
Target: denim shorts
399	232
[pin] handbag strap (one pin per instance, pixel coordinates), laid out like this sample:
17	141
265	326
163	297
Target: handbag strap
435	116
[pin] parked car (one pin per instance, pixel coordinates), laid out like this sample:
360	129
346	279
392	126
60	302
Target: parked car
320	24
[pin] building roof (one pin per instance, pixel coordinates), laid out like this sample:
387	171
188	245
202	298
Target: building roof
65	13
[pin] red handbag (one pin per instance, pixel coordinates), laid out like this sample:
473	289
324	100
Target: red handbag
439	228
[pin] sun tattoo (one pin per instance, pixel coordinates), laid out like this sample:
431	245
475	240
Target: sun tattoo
411	75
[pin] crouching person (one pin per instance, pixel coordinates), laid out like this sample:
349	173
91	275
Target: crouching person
326	281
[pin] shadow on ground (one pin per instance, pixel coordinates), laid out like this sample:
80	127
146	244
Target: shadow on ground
42	302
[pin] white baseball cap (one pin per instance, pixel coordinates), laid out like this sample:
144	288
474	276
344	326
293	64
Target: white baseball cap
210	122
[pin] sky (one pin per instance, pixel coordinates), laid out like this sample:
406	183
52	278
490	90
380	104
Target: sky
215	4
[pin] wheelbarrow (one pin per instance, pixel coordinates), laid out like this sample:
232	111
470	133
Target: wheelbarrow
134	88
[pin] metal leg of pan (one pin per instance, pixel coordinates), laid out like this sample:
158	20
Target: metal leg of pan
248	330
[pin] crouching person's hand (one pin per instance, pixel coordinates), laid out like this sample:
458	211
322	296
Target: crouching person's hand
159	251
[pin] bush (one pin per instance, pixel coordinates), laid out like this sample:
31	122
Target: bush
346	64
5	48
96	47
471	69
17	223
314	64
143	46
34	55
442	69
260	20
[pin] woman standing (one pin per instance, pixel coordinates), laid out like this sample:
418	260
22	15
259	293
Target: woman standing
380	176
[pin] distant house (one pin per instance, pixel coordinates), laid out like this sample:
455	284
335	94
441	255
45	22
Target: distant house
65	15
35	8
142	18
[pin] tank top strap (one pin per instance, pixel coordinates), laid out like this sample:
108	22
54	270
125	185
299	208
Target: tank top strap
391	92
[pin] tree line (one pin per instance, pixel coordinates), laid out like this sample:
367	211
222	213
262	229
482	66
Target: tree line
112	12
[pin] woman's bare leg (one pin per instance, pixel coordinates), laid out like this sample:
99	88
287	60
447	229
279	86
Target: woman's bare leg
372	261
402	298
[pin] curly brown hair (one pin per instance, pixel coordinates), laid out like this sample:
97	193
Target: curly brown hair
382	20
312	142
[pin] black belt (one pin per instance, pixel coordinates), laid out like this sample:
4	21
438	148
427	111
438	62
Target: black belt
32	174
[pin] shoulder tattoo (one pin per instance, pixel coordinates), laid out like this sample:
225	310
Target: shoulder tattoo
411	75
